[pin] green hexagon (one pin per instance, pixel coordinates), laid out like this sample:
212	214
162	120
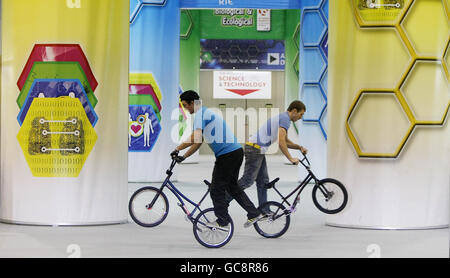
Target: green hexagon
186	25
56	70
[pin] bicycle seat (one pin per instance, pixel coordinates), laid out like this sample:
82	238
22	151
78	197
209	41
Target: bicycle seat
207	182
272	183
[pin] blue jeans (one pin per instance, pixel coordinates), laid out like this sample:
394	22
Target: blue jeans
255	170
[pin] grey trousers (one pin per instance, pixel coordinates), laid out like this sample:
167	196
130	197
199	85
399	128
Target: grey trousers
255	170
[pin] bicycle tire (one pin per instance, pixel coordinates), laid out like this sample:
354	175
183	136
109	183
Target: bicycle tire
316	190
263	226
201	231
133	204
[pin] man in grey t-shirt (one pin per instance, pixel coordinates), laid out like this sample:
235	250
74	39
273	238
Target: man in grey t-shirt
255	149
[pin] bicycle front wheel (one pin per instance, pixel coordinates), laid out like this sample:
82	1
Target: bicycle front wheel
210	235
276	223
329	196
140	210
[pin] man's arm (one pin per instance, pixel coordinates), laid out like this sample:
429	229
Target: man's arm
292	145
282	142
194	142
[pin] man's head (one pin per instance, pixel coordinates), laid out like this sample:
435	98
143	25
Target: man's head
189	99
296	110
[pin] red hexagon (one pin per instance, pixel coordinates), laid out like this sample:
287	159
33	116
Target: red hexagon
58	53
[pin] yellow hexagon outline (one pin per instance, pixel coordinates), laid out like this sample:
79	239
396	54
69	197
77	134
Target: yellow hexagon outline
406	110
402	82
362	24
444	60
406	39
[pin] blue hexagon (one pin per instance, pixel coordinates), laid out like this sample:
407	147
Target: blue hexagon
313	28
316	65
136	6
312	97
324	9
324	83
323	122
324	45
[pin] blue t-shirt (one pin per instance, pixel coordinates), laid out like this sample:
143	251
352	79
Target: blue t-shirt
216	132
268	133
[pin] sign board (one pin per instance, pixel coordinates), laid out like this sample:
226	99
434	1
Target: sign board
263	20
242	85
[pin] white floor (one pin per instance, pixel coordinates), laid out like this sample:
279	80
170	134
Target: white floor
308	236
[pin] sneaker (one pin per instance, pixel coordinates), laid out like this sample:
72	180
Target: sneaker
215	225
253	220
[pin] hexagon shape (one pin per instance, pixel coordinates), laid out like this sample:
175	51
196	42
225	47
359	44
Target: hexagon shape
378	125
422	17
56	70
53	88
314	100
146	79
313	27
144	100
296	64
446	60
324	9
56	137
324	83
324	45
379	13
427	91
323	122
316	65
296	36
137	5
143	127
382	66
57	53
186	24
134	89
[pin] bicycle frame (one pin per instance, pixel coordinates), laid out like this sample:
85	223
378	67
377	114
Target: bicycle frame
305	162
180	196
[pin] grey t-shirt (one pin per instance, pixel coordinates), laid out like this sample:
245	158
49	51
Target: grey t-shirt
268	133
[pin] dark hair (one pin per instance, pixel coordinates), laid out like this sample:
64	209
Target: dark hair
189	96
298	105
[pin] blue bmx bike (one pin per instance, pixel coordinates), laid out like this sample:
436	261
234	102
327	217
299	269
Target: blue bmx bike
149	207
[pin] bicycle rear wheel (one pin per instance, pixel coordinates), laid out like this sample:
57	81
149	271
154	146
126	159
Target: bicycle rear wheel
276	223
329	196
210	235
140	211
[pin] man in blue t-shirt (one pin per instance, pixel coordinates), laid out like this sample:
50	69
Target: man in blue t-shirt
258	144
229	156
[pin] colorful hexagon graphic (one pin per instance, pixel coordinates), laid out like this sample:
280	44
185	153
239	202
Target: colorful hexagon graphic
315	25
427	91
56	70
146	79
380	13
53	88
145	90
57	53
56	137
324	9
389	124
143	128
429	37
